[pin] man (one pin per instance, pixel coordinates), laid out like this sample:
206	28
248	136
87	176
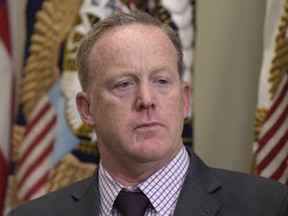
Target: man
130	68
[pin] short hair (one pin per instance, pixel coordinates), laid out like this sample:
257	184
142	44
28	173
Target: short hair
116	20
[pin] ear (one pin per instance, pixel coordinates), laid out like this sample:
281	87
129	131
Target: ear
186	90
83	107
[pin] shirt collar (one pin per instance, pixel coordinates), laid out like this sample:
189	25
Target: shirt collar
162	188
109	189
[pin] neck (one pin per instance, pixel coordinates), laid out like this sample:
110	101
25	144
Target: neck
131	176
131	173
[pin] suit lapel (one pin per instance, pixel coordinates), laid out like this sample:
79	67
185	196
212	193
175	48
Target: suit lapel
195	196
87	198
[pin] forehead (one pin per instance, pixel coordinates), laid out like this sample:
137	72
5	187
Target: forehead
133	30
128	39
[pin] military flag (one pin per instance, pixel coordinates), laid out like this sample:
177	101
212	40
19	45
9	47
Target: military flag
51	145
271	141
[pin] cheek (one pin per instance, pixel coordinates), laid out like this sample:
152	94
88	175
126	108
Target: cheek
176	103
177	111
111	113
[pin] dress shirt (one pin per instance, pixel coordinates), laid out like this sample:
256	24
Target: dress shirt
162	188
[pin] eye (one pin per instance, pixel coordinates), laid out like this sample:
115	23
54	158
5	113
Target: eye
125	85
162	81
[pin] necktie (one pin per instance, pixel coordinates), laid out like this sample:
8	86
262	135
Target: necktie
131	203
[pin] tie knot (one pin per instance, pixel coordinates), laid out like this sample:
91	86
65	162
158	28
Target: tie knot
131	203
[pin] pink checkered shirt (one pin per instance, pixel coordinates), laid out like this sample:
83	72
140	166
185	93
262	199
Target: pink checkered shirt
162	188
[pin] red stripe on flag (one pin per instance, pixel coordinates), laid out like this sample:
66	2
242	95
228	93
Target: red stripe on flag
3	180
277	102
37	140
41	157
37	118
6	102
279	172
4	25
273	162
270	133
277	124
40	183
273	153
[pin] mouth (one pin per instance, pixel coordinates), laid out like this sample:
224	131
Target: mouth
151	125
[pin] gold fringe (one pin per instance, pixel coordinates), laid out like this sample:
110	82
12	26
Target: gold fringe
68	171
53	22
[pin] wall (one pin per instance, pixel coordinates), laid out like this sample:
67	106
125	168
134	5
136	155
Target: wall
228	59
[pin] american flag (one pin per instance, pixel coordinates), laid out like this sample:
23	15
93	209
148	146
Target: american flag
272	153
35	153
6	94
35	129
272	142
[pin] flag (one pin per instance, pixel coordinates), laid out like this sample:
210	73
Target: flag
6	95
271	140
51	146
34	132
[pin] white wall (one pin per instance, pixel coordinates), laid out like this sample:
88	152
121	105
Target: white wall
228	60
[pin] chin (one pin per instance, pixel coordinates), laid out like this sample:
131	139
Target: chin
147	158
153	151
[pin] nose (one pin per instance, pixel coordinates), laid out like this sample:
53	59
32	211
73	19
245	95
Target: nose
145	98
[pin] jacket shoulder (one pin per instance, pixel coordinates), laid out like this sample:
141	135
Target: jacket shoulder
265	196
53	203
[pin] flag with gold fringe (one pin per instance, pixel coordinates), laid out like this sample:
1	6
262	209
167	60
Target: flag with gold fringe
271	140
51	146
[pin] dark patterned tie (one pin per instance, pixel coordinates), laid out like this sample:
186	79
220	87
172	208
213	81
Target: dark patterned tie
131	203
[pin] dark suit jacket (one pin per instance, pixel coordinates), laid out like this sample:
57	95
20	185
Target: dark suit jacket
206	191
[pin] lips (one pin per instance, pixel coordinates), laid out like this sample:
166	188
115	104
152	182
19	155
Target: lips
148	125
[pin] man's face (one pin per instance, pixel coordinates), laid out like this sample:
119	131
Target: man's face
136	102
